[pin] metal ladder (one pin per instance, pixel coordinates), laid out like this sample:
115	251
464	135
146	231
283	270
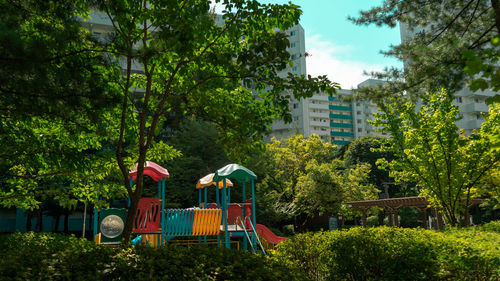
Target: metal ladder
238	219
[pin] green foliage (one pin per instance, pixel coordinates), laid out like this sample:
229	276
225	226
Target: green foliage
453	44
431	151
194	64
30	256
301	178
362	150
493	226
385	253
202	153
99	98
55	102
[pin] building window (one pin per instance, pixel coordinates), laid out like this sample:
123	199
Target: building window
459	99
359	130
294	69
359	121
295	105
292	33
358	112
358	104
292	45
294	57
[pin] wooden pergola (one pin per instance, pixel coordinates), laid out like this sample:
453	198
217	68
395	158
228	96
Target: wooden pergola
392	205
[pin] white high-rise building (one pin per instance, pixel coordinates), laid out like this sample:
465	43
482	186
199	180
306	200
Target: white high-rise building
297	50
472	105
340	119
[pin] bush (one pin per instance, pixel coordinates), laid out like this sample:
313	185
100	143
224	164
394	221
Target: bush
493	226
385	253
35	256
29	256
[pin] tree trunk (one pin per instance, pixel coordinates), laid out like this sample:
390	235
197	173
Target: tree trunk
56	225
39	222
131	212
134	200
496	11
66	222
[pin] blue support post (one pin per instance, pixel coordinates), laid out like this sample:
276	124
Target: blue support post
228	195
225	204
218	206
205	207
95	218
162	224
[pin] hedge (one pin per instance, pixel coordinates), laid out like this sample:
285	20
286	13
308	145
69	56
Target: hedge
385	253
35	256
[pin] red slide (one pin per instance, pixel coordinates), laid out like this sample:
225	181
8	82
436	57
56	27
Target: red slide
268	235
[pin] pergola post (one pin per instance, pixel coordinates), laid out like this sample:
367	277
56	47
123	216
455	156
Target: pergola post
390	216
423	211
363	217
396	217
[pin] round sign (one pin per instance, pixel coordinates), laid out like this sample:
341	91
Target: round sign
112	226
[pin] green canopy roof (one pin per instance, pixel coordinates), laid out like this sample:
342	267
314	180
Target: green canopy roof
234	171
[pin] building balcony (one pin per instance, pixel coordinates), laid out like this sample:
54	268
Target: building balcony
340	116
341	134
319	124
341	125
318	114
475	107
340	107
319	97
485	93
320	133
318	106
340	142
473	124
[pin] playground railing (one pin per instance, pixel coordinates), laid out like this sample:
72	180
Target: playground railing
242	224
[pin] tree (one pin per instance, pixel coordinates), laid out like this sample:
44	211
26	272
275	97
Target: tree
361	150
53	100
302	178
430	150
190	64
202	153
456	44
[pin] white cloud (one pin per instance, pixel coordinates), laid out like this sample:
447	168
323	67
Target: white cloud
327	58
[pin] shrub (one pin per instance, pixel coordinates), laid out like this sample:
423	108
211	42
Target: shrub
35	256
493	226
385	253
30	256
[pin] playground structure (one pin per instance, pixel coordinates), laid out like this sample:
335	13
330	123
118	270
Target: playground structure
156	225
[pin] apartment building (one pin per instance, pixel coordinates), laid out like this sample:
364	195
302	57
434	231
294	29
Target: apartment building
472	105
298	109
340	119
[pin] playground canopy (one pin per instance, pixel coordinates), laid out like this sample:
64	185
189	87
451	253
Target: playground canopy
155	171
234	171
208	180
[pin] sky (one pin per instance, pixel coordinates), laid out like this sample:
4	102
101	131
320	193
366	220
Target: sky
338	48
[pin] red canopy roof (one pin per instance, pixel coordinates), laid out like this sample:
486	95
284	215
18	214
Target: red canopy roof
155	171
